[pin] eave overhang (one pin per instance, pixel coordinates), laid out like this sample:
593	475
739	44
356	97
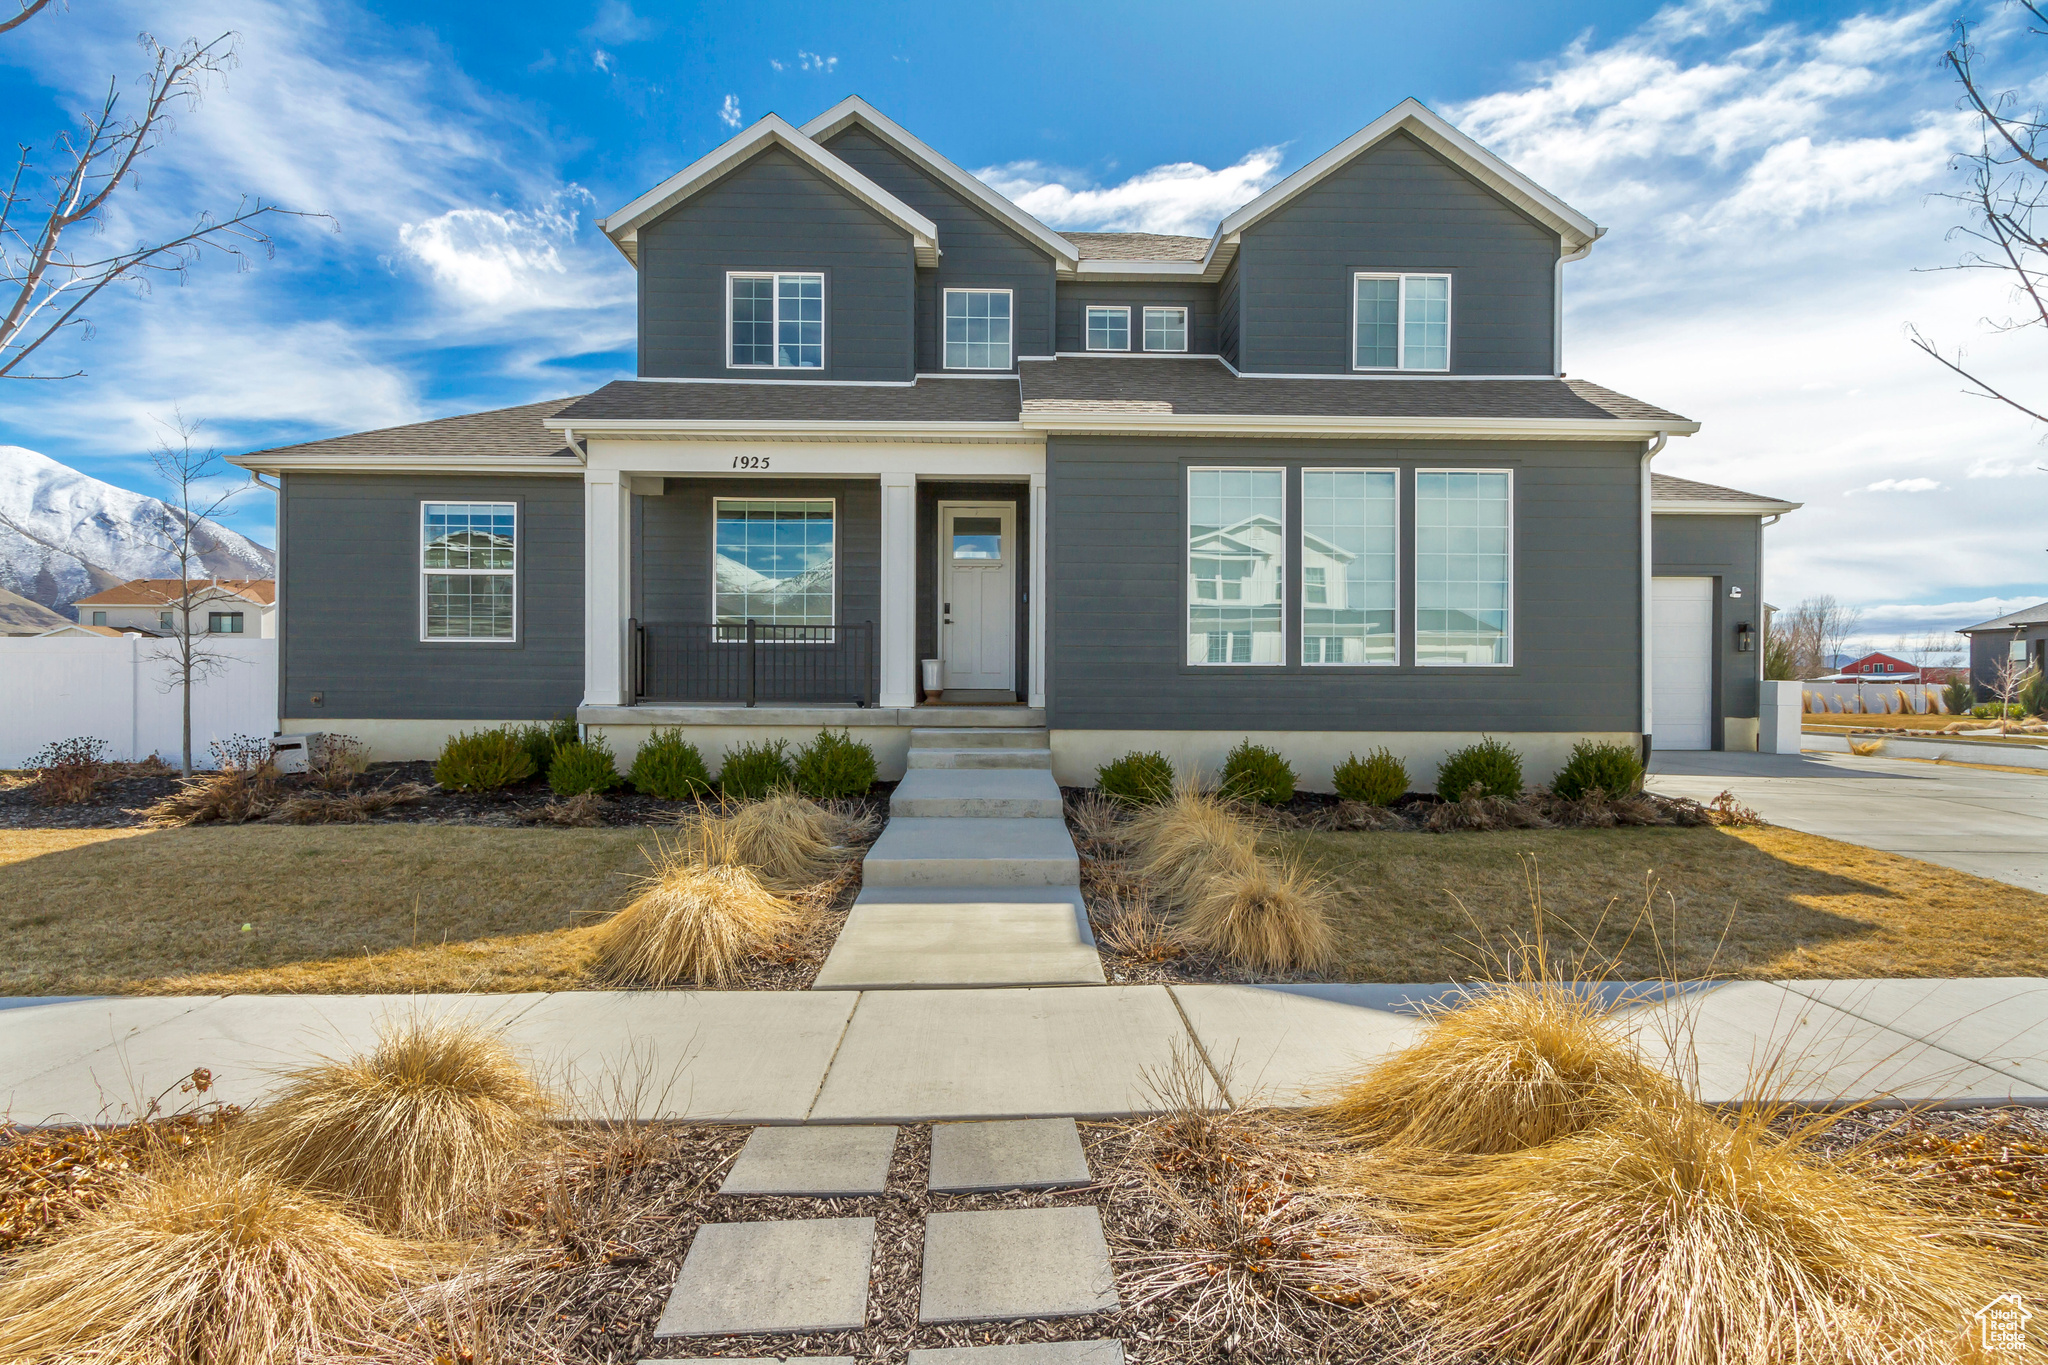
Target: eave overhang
1675	506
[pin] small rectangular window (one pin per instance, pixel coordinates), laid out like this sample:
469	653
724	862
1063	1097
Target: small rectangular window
224	623
778	322
163	621
99	618
1349	566
1237	564
1401	322
1109	329
977	329
467	558
773	562
1464	523
1166	329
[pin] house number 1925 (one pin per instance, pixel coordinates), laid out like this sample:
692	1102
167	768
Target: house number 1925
750	462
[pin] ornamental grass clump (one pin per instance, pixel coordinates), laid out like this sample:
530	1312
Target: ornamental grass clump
1186	842
1252	772
413	1135
1614	770
483	761
1136	779
788	841
1267	915
834	765
1491	766
698	920
751	771
205	1262
1378	779
233	796
669	767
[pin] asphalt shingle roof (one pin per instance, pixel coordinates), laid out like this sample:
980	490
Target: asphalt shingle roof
1137	246
928	400
496	434
1671	488
2036	615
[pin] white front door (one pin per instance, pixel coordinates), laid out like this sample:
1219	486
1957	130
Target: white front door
1682	663
978	597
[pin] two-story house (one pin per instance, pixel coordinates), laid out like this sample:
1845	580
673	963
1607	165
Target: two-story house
219	606
1318	479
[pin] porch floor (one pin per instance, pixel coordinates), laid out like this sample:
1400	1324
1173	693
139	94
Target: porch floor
950	717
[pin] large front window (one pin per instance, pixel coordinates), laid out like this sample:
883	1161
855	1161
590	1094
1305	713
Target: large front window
467	553
1463	585
778	322
773	561
1349	566
977	329
1237	559
1401	322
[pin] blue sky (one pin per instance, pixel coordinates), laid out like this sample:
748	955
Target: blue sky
1765	171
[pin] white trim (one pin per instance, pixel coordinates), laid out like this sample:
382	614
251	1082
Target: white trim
1233	424
1373	375
1412	117
623	227
1129	355
776	277
1036	605
1187	555
1301	608
1186	328
1414	622
1670	507
513	573
857	110
942	559
897	610
718	498
1400	365
1010	348
1088	312
1109	269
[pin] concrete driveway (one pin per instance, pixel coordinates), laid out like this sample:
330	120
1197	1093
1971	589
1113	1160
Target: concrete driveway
1992	824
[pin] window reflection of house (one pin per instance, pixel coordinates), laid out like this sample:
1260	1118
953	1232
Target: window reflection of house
1235	592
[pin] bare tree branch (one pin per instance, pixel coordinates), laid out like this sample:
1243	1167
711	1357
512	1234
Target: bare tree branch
44	284
28	12
1983	390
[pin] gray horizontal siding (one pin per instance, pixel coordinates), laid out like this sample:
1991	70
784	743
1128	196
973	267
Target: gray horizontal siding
1727	549
350	624
775	213
976	250
1198	299
1229	310
1397	206
1117	573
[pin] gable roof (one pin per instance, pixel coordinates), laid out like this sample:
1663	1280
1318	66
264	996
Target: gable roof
159	592
773	130
2036	615
853	109
1412	117
503	438
1669	493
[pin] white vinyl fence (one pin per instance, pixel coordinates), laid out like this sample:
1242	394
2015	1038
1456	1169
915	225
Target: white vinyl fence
117	690
1873	698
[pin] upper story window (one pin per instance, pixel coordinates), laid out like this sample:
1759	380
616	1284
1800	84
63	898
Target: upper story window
977	329
163	621
99	618
1401	322
1349	566
467	554
1464	523
224	623
1237	564
1109	329
1166	329
778	321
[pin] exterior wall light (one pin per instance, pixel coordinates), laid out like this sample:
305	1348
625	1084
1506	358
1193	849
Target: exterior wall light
1745	638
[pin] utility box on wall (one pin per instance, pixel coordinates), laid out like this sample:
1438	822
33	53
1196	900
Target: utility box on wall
1781	715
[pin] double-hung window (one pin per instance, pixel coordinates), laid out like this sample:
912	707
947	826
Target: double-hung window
773	564
1237	565
977	329
1166	329
1401	322
778	321
1464	587
468	554
1109	328
224	623
1350	579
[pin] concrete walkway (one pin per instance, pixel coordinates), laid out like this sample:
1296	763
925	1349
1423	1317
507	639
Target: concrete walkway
1990	824
895	1056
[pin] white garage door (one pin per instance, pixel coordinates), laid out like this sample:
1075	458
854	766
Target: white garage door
1682	663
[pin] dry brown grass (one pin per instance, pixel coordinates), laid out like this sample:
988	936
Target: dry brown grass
414	1135
350	808
1185	843
204	1263
1269	915
232	796
1866	748
789	841
403	908
699	919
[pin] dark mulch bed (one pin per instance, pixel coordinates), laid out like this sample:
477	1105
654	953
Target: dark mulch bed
130	788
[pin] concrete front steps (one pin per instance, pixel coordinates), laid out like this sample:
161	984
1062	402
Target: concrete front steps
975	881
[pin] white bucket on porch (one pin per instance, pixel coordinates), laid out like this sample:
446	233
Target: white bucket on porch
931	677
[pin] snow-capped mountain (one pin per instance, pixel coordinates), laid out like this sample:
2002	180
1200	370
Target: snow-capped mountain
65	535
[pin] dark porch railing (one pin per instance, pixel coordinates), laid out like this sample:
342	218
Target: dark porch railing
689	662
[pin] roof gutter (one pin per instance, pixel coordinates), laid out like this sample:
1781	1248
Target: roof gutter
1656	444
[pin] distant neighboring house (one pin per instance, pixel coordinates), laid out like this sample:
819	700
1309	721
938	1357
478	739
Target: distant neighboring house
1888	668
244	607
2021	635
1878	665
73	628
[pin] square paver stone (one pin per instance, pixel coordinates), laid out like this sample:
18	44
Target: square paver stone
990	1265
1007	1154
792	1275
1025	1353
828	1160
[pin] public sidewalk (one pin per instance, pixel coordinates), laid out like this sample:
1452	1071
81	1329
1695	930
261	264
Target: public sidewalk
1088	1051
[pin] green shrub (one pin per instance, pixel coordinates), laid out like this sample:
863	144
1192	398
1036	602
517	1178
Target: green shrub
1378	779
1989	710
1252	772
1958	695
483	761
1139	779
585	767
669	766
1613	768
754	770
541	738
1492	765
2034	696
834	765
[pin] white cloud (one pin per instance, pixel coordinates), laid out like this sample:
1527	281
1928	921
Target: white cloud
811	61
1183	198
1899	486
729	112
775	62
616	23
506	258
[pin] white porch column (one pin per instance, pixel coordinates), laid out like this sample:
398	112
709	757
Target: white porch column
898	626
1041	536
607	586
